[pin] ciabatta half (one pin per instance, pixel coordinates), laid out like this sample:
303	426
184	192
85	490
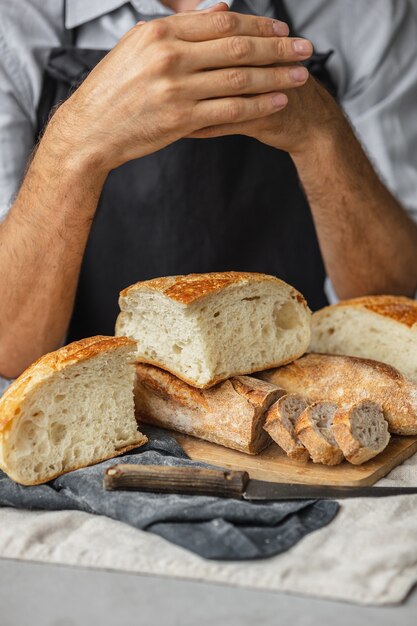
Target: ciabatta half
383	328
205	328
72	408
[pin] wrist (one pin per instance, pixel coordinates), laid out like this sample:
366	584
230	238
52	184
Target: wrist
65	141
324	128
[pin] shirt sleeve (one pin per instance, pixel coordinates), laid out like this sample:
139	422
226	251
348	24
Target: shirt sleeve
16	127
380	89
28	30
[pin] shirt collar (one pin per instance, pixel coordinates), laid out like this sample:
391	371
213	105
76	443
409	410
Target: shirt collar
81	11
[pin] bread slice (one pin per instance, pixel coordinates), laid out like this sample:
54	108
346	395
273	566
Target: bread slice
383	328
361	431
280	421
347	380
205	328
231	414
314	430
72	408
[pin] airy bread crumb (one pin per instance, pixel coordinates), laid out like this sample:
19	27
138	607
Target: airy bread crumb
72	408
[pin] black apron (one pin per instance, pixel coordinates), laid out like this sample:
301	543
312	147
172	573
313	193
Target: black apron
228	203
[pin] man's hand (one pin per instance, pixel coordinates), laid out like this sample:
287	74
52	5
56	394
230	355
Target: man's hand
368	242
167	78
310	114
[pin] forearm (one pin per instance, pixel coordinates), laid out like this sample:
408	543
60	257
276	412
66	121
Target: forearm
368	242
42	242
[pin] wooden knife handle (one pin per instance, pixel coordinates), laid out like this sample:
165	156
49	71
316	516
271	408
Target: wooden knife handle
169	479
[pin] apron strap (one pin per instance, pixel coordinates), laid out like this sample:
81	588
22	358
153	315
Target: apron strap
65	70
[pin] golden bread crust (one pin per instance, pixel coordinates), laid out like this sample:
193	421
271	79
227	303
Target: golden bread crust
170	387
346	380
228	414
284	437
189	288
47	365
397	308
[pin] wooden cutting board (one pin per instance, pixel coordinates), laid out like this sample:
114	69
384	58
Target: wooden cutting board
274	466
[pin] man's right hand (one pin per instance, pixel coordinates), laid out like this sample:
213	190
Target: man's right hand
170	77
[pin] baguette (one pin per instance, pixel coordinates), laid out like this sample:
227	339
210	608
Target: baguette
205	328
72	408
231	414
279	424
361	432
383	328
346	380
314	430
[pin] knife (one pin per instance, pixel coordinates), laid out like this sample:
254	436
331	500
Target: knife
230	484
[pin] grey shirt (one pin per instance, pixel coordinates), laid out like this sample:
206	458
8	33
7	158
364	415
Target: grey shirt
374	67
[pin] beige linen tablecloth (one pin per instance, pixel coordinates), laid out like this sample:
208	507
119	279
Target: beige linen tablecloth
367	555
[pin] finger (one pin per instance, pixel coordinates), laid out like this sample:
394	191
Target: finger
239	109
219	131
220	6
244	80
242	50
204	26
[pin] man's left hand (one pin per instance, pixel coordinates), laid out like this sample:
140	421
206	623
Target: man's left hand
310	114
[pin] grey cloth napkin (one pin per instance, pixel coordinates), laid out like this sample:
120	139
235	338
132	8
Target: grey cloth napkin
214	528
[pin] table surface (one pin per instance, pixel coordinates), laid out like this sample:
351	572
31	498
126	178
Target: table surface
51	595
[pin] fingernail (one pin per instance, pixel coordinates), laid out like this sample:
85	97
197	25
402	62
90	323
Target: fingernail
302	46
298	74
280	28
279	100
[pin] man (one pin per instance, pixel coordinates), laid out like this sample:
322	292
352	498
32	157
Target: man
182	150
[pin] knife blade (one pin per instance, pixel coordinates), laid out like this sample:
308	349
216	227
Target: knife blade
231	484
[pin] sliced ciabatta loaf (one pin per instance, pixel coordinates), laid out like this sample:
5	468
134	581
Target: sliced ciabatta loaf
346	380
231	413
205	328
280	422
361	431
383	328
314	430
72	408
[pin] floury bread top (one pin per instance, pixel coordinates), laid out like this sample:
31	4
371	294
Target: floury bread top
205	328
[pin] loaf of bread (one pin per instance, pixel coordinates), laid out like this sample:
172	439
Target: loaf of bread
347	380
314	428
280	421
383	328
231	413
205	328
361	431
72	408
